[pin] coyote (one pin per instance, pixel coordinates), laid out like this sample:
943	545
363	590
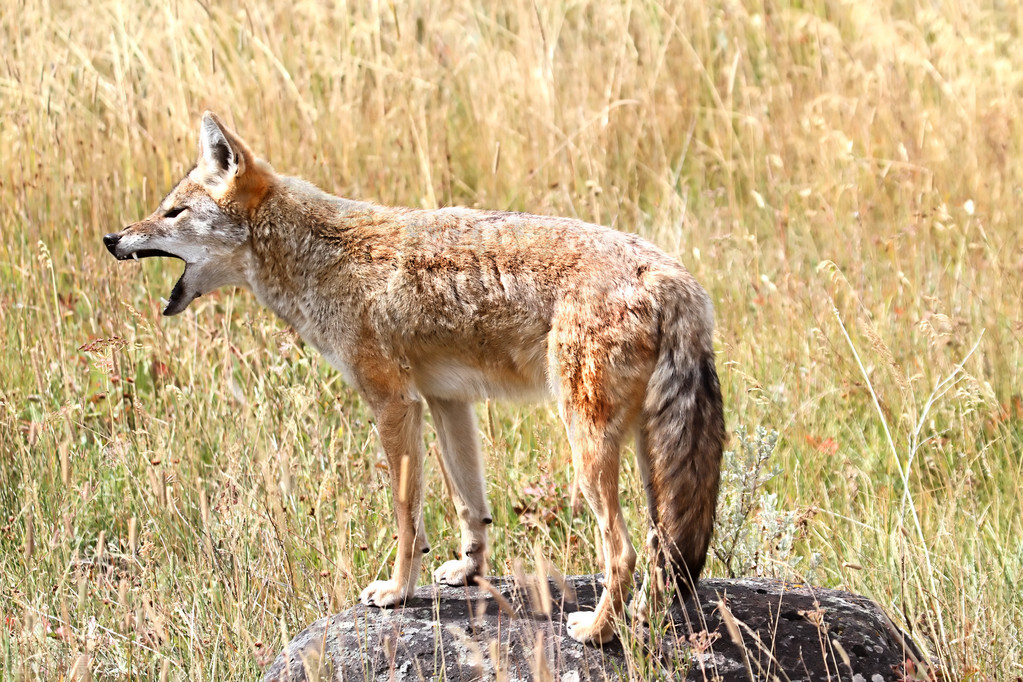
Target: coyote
450	306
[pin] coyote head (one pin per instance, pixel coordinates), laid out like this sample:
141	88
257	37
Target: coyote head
204	221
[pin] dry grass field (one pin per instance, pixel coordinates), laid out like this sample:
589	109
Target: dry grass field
179	496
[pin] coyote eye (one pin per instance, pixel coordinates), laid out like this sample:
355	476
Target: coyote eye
174	212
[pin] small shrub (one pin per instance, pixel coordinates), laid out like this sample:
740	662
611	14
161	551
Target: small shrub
754	536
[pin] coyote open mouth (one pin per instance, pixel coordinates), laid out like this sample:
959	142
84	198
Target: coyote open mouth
179	296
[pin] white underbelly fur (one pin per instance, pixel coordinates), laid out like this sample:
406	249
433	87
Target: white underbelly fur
451	379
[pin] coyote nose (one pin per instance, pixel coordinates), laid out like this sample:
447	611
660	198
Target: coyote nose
110	240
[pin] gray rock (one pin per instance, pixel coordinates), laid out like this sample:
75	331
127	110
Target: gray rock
767	630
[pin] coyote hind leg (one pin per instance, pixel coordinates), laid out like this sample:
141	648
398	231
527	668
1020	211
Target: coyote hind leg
596	456
649	597
601	352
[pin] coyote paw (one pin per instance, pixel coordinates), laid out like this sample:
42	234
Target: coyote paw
382	593
582	626
457	572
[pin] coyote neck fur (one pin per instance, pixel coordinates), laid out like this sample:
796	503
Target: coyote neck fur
335	244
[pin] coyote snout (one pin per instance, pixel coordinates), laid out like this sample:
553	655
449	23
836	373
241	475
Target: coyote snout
442	308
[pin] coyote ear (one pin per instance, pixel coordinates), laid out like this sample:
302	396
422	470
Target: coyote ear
222	153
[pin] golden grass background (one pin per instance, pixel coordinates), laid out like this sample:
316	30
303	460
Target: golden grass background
178	496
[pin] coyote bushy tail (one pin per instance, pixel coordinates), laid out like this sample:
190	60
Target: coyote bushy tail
682	436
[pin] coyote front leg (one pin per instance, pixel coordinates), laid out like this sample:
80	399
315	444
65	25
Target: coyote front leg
463	469
399	421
